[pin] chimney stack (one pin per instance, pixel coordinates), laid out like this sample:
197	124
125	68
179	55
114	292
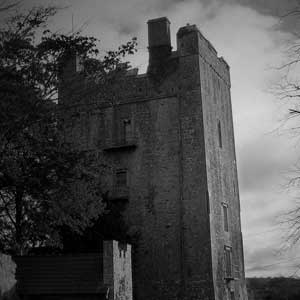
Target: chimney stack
159	39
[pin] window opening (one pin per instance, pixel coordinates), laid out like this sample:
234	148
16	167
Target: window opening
126	131
228	262
225	217
121	178
220	134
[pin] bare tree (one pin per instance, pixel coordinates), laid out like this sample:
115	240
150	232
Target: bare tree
6	5
288	89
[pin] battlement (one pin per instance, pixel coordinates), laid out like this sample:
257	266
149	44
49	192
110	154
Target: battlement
164	64
190	41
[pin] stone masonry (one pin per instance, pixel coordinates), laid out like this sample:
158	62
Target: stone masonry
169	143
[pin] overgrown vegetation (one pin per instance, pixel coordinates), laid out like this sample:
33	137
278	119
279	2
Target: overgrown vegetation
38	169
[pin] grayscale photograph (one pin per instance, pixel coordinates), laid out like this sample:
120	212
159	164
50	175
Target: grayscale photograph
150	150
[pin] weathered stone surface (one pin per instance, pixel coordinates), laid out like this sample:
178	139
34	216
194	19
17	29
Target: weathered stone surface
7	276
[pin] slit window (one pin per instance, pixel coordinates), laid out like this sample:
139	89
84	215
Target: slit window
207	202
225	217
228	262
220	134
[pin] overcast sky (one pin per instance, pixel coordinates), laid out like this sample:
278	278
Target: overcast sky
250	36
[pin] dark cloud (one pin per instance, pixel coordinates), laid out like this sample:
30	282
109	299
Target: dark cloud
122	12
272	7
277	8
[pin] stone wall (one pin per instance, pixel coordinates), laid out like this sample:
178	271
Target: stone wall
83	276
152	206
80	276
221	173
7	277
117	270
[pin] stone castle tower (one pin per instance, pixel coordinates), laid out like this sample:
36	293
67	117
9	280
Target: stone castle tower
169	141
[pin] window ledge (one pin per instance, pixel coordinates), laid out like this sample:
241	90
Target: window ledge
229	278
120	146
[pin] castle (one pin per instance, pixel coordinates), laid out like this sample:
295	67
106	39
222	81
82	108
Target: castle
170	144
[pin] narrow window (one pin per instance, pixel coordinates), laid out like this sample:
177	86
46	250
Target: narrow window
121	178
228	262
220	134
232	295
225	217
234	188
126	131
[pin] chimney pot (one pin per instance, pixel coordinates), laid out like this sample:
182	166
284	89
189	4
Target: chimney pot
159	39
159	32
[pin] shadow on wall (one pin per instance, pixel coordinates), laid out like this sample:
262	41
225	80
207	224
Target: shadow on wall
7	278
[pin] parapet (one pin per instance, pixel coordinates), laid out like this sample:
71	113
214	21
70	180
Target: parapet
190	41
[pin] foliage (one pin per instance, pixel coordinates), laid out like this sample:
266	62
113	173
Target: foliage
110	226
38	170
